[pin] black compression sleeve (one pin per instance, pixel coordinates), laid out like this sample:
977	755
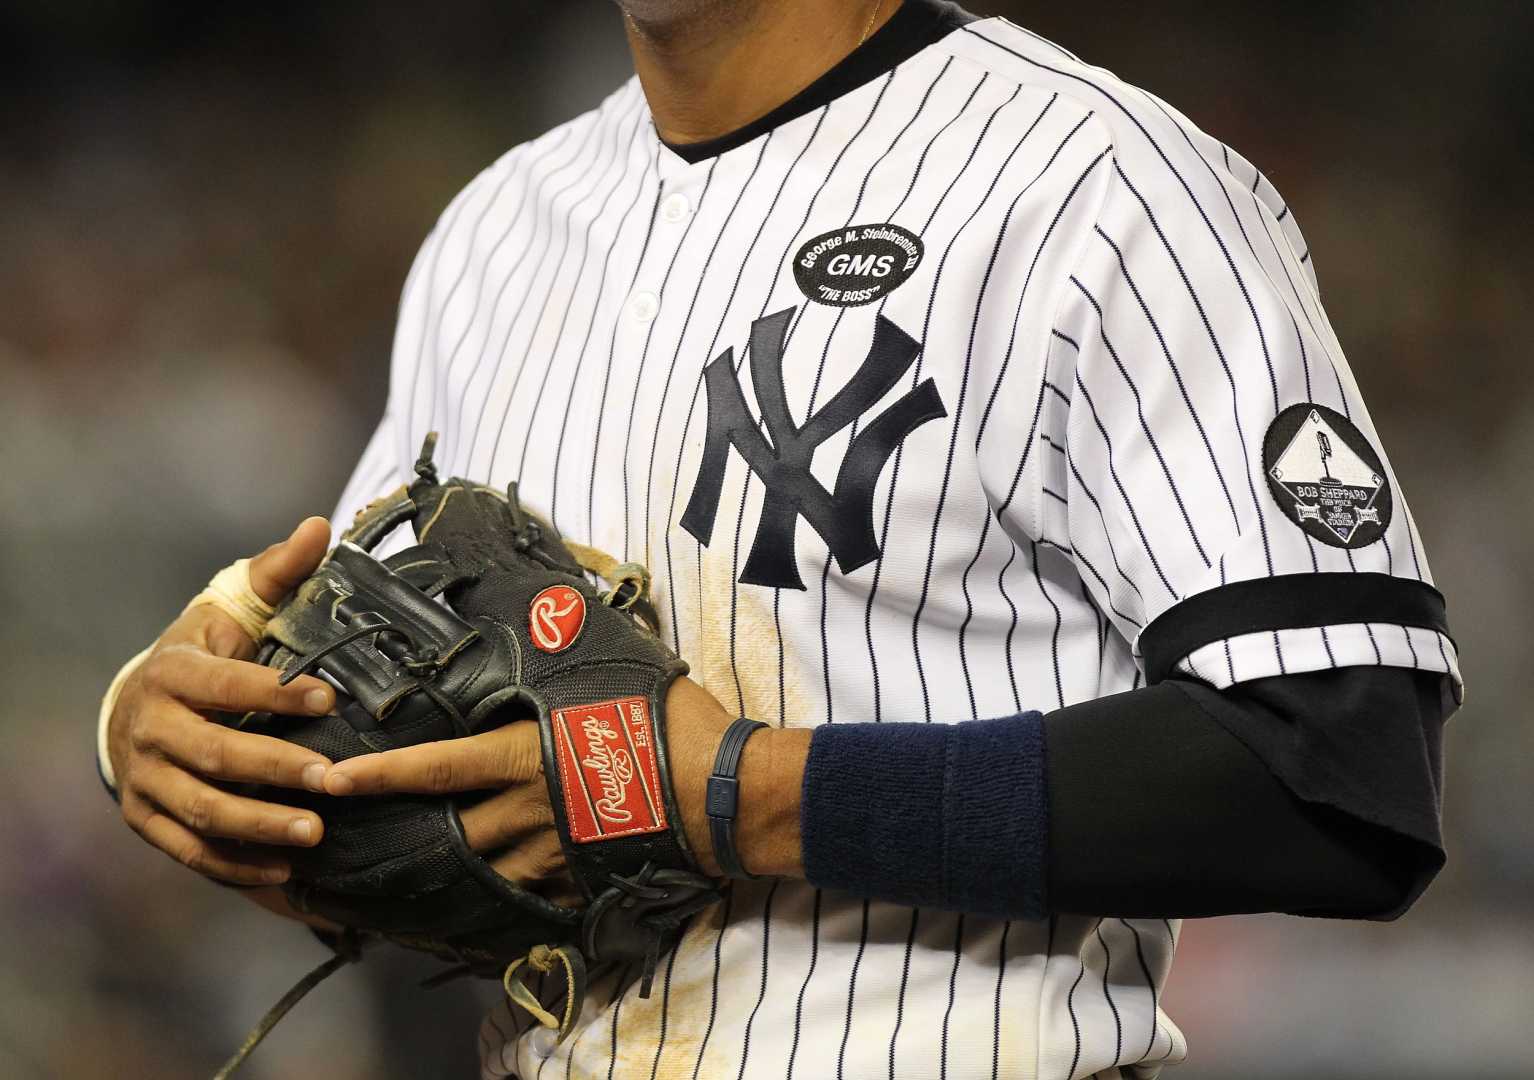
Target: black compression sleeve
1310	794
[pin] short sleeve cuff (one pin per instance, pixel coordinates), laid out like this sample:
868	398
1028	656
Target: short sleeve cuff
1265	654
1299	623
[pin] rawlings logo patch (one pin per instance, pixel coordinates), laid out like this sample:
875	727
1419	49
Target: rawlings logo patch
555	618
607	769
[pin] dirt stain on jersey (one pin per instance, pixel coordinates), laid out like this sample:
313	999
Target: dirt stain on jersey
742	668
684	1002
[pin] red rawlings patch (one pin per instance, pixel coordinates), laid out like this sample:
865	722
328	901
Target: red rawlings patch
555	618
606	757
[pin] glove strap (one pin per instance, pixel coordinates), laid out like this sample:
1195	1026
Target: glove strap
722	799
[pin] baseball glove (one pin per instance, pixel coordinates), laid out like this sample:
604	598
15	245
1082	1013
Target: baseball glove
488	620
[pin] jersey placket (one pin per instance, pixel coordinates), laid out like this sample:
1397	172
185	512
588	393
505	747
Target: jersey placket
650	315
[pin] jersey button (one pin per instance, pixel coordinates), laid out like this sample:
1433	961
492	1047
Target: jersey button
542	1042
643	307
675	208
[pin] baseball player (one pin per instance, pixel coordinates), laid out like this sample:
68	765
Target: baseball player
982	427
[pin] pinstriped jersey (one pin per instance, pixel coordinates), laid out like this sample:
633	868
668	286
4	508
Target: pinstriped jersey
938	402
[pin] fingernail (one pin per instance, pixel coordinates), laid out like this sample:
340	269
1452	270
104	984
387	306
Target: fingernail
314	776
339	784
317	701
276	875
301	830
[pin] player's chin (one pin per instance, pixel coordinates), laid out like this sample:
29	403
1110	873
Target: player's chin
663	14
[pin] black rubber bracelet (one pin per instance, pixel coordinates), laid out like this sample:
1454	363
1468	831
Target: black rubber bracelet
723	797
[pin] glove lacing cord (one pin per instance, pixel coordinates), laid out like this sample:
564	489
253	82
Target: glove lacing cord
662	927
629	582
361	625
421	664
348	948
542	958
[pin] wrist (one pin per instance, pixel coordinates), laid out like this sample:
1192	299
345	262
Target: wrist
767	835
770	777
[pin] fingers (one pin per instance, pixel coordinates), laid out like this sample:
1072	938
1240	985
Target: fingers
539	866
206	811
516	814
496	759
220	753
280	568
203	681
207	857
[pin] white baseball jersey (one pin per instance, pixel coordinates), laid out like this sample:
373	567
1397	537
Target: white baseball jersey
922	406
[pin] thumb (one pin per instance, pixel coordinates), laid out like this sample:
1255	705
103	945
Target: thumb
280	568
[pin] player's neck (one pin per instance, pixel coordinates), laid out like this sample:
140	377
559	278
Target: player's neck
707	76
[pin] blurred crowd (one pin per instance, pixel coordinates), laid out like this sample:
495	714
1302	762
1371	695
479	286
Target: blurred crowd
206	215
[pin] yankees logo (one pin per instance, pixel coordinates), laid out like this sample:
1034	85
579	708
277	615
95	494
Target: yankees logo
781	457
555	618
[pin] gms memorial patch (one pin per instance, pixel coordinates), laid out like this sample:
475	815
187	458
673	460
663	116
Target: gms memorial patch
1326	477
857	265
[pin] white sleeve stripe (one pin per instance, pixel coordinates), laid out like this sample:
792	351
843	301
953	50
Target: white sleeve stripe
1219	350
1150	437
1182	388
1252	656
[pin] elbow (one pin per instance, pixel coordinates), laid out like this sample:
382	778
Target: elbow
1379	877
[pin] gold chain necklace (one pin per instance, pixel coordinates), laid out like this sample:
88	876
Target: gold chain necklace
872	15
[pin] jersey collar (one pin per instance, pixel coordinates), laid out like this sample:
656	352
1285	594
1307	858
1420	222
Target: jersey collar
918	24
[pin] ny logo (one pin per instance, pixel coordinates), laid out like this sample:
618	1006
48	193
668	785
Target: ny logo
781	456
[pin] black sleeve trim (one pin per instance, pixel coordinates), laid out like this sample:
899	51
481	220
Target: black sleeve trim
1288	602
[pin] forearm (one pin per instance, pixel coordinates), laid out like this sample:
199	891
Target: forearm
1157	809
1139	804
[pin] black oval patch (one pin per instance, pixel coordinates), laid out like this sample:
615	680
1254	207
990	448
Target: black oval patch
1326	477
857	265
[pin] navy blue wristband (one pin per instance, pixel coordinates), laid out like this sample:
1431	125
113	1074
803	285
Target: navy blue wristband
930	815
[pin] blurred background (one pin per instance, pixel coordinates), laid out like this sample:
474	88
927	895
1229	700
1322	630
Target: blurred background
206	215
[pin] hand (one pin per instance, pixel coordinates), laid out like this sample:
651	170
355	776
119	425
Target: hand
164	749
514	827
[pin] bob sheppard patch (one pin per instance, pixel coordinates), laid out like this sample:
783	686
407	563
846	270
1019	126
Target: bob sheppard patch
857	265
1326	477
